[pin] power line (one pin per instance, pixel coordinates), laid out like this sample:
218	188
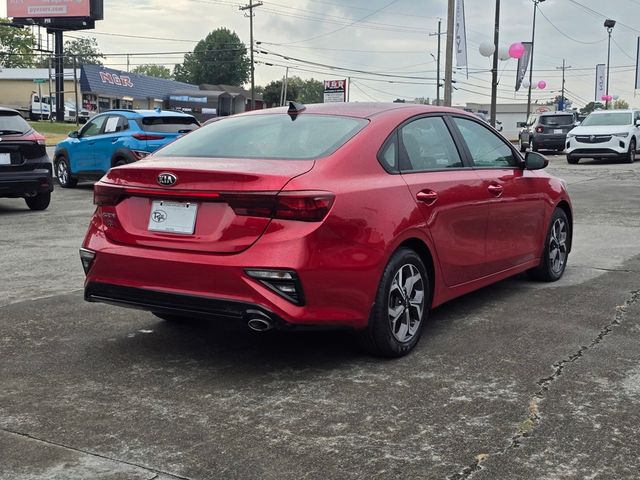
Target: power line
565	35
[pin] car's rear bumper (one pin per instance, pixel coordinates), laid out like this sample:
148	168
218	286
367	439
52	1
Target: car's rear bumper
25	182
549	141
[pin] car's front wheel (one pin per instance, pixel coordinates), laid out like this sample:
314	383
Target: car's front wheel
556	249
39	202
522	147
631	154
63	173
572	160
401	306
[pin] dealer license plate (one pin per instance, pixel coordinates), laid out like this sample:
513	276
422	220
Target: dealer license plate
557	130
173	217
5	159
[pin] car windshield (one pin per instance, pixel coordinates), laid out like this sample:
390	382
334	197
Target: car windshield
608	118
169	124
268	136
12	123
556	120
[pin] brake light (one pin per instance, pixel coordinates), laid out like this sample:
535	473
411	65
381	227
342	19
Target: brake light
539	129
309	206
146	136
104	195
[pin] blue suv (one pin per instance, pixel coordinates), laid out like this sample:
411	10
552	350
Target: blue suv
114	138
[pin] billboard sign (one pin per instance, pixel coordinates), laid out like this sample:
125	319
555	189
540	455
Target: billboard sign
335	91
48	8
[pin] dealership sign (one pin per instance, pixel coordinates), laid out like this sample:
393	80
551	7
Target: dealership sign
122	80
335	91
48	8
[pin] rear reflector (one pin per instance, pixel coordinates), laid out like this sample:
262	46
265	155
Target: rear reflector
539	129
86	257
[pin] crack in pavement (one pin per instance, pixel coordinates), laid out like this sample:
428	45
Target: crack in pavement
154	471
526	427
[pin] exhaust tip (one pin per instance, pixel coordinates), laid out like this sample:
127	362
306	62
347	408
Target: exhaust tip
258	321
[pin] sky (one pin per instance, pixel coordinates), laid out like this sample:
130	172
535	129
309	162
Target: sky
378	38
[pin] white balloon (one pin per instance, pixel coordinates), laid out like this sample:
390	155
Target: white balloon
503	53
525	83
486	49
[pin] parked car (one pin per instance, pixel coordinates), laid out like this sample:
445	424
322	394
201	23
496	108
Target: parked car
114	138
605	134
546	131
331	215
483	116
25	169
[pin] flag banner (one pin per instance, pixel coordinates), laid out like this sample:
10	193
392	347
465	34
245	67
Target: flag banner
601	81
461	36
523	63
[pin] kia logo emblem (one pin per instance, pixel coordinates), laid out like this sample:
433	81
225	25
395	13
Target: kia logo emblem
167	179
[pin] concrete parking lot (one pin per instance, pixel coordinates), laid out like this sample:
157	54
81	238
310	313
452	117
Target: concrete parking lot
520	380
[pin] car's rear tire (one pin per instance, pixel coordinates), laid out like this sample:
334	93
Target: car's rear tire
572	160
39	202
631	154
63	173
401	307
556	249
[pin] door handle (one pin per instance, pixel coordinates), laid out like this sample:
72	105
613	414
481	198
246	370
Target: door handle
495	190
427	196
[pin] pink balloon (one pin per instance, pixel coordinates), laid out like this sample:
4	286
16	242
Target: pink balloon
516	50
604	98
542	84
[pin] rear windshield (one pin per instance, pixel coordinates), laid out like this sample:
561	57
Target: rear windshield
609	118
275	136
12	124
556	120
169	124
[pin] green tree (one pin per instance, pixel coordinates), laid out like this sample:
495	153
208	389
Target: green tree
16	46
272	92
159	71
85	50
309	91
621	104
590	107
220	58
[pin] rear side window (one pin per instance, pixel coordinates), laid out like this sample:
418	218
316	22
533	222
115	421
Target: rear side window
168	124
556	120
12	123
268	136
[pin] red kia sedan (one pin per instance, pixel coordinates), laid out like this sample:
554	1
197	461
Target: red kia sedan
333	215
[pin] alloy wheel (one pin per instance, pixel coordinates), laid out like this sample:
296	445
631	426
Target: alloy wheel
63	172
406	303
558	246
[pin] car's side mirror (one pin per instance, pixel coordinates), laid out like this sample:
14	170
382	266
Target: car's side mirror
637	123
521	124
74	134
577	124
535	161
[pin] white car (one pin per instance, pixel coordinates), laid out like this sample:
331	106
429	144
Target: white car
605	134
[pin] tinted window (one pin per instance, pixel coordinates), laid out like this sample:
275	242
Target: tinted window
487	149
608	118
428	146
93	127
556	120
168	124
268	136
389	154
12	123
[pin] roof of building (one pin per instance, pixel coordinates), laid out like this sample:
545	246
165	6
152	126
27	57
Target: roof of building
34	73
108	81
233	90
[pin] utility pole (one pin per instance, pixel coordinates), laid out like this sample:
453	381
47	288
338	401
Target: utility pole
439	34
250	7
128	70
533	43
448	67
494	72
563	68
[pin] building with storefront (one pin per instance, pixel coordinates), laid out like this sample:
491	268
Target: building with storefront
18	84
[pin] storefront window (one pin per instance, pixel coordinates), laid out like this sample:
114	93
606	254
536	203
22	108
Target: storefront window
104	103
90	102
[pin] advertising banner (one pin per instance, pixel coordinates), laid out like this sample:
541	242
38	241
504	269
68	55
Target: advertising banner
335	91
523	64
461	36
601	81
48	8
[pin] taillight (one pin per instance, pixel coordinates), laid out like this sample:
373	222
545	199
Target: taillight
104	195
146	136
539	129
301	206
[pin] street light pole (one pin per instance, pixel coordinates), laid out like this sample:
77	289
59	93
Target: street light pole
609	24
494	73
533	41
